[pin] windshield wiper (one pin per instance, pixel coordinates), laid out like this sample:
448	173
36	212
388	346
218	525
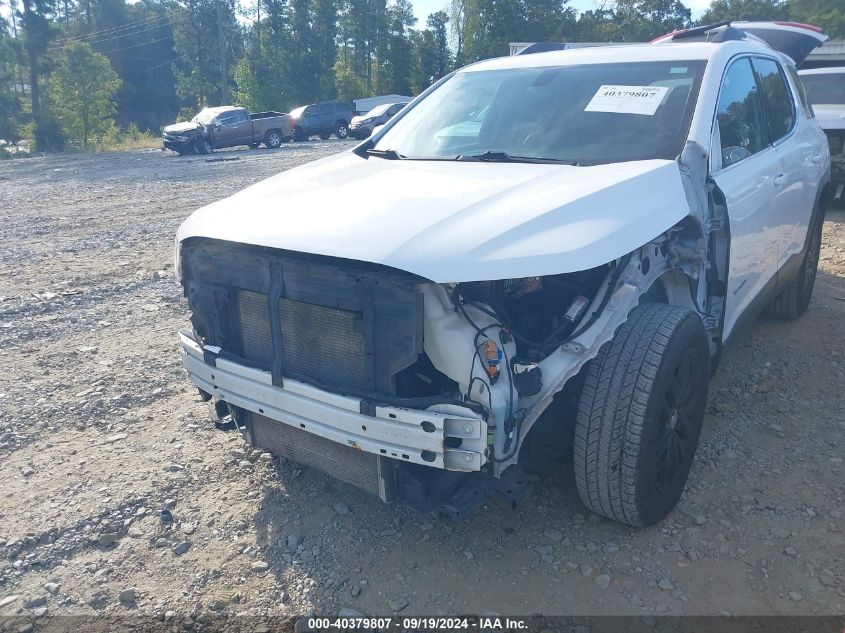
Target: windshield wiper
504	157
389	154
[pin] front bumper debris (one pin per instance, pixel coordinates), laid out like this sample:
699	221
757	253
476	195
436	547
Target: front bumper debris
405	435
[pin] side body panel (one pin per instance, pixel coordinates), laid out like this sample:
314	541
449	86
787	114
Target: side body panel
749	195
805	156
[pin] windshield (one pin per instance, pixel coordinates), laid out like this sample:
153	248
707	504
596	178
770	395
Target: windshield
586	114
825	89
296	113
379	109
205	117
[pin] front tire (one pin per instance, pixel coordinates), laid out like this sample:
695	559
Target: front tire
273	139
640	413
794	300
203	146
342	130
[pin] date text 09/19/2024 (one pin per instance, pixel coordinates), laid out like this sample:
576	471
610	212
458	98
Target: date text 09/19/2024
417	623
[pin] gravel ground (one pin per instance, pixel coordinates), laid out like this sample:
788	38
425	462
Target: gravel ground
100	431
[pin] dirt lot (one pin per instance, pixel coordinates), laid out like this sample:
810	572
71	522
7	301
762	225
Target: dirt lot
99	431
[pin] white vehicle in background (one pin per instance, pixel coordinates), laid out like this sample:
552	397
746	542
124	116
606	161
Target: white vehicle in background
400	315
825	89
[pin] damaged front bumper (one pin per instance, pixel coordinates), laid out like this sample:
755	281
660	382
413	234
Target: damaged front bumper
398	433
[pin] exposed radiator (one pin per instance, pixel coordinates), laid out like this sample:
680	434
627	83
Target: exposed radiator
351	465
320	344
253	327
325	344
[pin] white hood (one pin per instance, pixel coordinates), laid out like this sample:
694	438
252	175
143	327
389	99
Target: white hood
453	221
830	116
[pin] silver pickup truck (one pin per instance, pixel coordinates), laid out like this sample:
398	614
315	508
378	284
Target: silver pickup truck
228	126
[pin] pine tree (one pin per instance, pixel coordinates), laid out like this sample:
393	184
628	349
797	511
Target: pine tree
438	25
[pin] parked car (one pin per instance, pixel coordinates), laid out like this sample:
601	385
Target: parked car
400	315
362	126
321	119
826	92
228	126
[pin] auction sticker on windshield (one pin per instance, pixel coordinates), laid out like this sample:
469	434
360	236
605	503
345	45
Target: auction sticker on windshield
627	99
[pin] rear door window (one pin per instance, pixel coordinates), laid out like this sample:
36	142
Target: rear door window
777	98
325	109
739	115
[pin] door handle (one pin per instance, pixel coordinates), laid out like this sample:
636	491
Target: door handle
779	180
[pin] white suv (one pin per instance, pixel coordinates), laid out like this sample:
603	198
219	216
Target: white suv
595	223
825	89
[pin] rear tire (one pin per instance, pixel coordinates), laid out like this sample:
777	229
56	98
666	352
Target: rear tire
795	298
325	137
273	139
640	413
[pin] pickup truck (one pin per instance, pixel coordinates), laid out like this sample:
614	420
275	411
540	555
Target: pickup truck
228	126
587	227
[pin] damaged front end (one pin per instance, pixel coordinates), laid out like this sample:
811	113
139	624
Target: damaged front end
415	391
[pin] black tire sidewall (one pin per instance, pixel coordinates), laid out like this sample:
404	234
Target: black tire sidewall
814	242
652	506
341	131
273	144
203	146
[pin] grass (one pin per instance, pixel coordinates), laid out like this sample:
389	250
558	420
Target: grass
144	141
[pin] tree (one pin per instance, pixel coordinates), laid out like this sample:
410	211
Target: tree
721	10
37	33
424	60
400	20
483	28
261	76
83	88
196	39
302	79
643	20
9	102
437	24
324	21
828	14
348	84
457	21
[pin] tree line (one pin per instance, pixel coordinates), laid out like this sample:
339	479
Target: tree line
80	71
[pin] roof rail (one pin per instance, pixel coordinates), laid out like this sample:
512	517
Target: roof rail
698	30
